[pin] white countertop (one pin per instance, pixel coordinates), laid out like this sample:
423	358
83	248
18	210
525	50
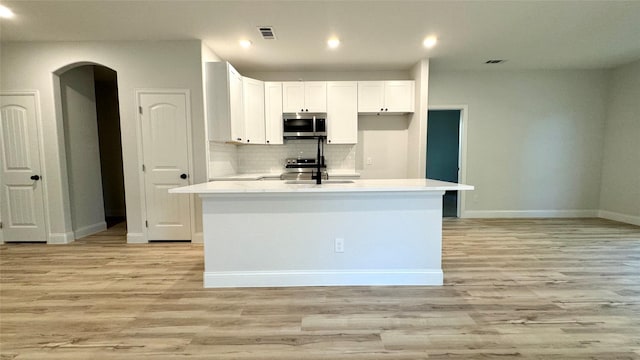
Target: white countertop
283	186
272	175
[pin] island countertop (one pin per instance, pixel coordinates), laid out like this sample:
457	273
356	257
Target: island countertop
327	186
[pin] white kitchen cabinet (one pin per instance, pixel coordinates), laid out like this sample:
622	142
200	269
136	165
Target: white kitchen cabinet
224	103
342	112
254	112
273	113
304	96
386	97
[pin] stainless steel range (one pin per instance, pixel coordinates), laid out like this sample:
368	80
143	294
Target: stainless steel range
303	169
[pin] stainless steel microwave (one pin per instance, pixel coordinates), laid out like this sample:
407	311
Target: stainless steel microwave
304	125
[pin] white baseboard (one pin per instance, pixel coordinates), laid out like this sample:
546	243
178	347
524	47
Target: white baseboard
197	238
90	230
136	238
529	213
629	219
322	278
61	238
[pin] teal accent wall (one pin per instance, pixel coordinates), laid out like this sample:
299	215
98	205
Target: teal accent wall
443	144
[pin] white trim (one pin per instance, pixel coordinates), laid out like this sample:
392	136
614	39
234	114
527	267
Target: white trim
140	238
323	278
198	238
90	230
60	238
610	215
462	152
530	213
143	193
136	238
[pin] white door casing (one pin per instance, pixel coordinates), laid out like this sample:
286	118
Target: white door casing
21	195
164	119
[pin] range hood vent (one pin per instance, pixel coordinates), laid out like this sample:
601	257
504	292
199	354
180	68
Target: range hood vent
267	32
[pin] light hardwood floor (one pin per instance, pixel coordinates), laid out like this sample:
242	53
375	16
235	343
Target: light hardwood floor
532	289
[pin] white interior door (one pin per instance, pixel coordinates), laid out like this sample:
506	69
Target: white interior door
21	200
164	120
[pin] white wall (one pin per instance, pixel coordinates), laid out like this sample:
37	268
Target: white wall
417	130
82	150
382	146
620	191
534	139
158	64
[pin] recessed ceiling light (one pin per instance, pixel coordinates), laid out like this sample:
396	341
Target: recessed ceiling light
5	12
333	43
430	42
245	43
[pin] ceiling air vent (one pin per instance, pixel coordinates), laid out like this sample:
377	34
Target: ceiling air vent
266	32
494	61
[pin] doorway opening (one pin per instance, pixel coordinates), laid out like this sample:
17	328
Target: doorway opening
93	148
444	135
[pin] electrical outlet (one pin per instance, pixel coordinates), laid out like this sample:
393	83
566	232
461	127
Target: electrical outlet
339	245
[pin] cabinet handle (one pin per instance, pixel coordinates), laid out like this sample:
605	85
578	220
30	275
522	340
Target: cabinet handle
307	110
248	140
381	109
183	176
301	110
267	141
35	177
239	139
386	109
328	140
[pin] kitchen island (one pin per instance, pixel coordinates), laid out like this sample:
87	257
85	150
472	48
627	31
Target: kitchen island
343	232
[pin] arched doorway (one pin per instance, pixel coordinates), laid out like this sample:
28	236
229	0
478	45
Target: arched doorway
93	148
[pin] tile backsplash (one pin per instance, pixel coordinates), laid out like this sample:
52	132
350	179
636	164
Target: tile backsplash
271	158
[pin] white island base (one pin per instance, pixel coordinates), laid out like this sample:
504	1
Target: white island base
259	234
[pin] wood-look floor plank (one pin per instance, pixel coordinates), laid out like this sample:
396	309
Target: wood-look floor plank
523	289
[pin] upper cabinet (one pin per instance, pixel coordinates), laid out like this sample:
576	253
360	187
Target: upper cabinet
224	103
254	111
382	97
342	112
273	112
307	96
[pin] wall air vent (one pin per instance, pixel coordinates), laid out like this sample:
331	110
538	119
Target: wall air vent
494	61
267	32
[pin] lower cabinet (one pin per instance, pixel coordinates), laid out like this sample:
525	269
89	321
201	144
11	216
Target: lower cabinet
342	112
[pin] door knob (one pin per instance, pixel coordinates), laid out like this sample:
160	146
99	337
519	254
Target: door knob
183	176
35	177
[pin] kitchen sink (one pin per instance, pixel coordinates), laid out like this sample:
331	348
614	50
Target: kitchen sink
311	182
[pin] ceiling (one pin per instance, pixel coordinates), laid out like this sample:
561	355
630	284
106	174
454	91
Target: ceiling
375	35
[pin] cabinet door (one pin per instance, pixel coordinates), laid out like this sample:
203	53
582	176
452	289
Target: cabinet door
253	91
370	96
342	112
399	96
273	112
293	97
236	105
315	96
